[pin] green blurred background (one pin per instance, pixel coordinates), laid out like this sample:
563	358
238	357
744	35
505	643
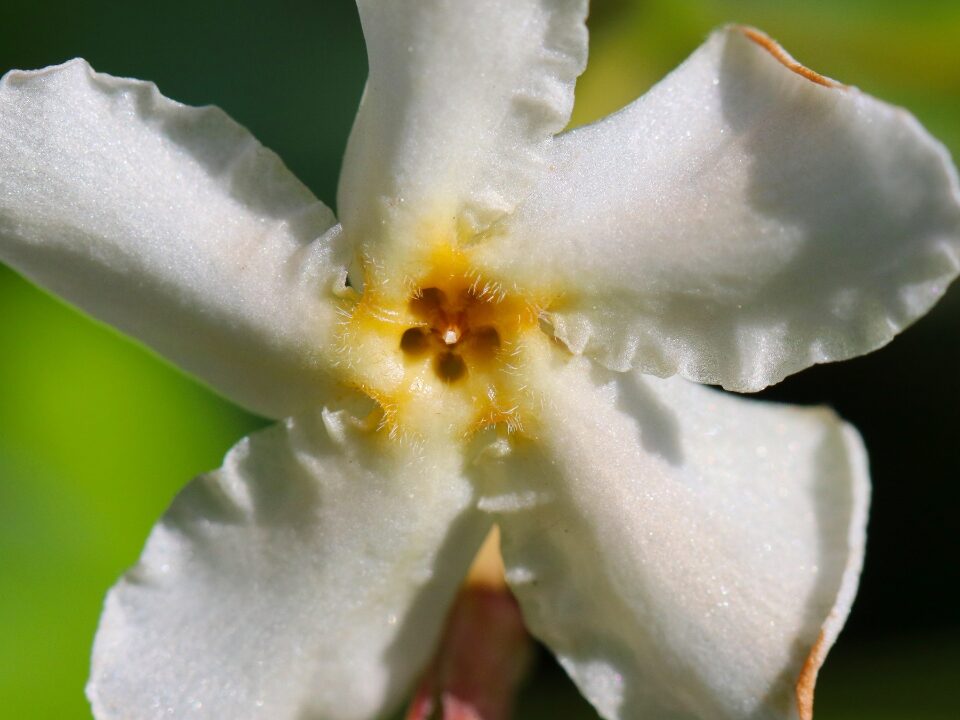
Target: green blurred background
97	435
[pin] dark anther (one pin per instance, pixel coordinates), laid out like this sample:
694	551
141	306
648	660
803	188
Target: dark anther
415	341
450	366
428	302
486	339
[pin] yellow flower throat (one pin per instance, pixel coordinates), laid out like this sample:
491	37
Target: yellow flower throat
442	353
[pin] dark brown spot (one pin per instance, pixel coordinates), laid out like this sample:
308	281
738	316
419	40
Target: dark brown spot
783	57
415	341
450	367
428	302
485	340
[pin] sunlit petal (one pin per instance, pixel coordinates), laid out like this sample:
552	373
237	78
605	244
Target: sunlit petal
461	100
686	554
306	578
173	224
745	219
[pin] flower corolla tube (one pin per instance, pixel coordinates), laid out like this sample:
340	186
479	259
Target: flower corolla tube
511	325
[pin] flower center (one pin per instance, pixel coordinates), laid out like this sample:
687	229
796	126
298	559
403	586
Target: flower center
452	330
441	350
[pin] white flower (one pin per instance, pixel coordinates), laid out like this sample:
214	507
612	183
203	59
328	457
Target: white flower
685	553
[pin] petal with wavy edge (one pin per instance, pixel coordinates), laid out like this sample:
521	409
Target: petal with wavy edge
461	100
685	553
745	219
306	578
173	224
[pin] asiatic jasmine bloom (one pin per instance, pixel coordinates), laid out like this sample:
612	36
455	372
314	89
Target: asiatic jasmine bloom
528	315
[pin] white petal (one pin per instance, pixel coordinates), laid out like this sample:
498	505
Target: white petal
744	220
461	99
307	578
173	224
688	554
